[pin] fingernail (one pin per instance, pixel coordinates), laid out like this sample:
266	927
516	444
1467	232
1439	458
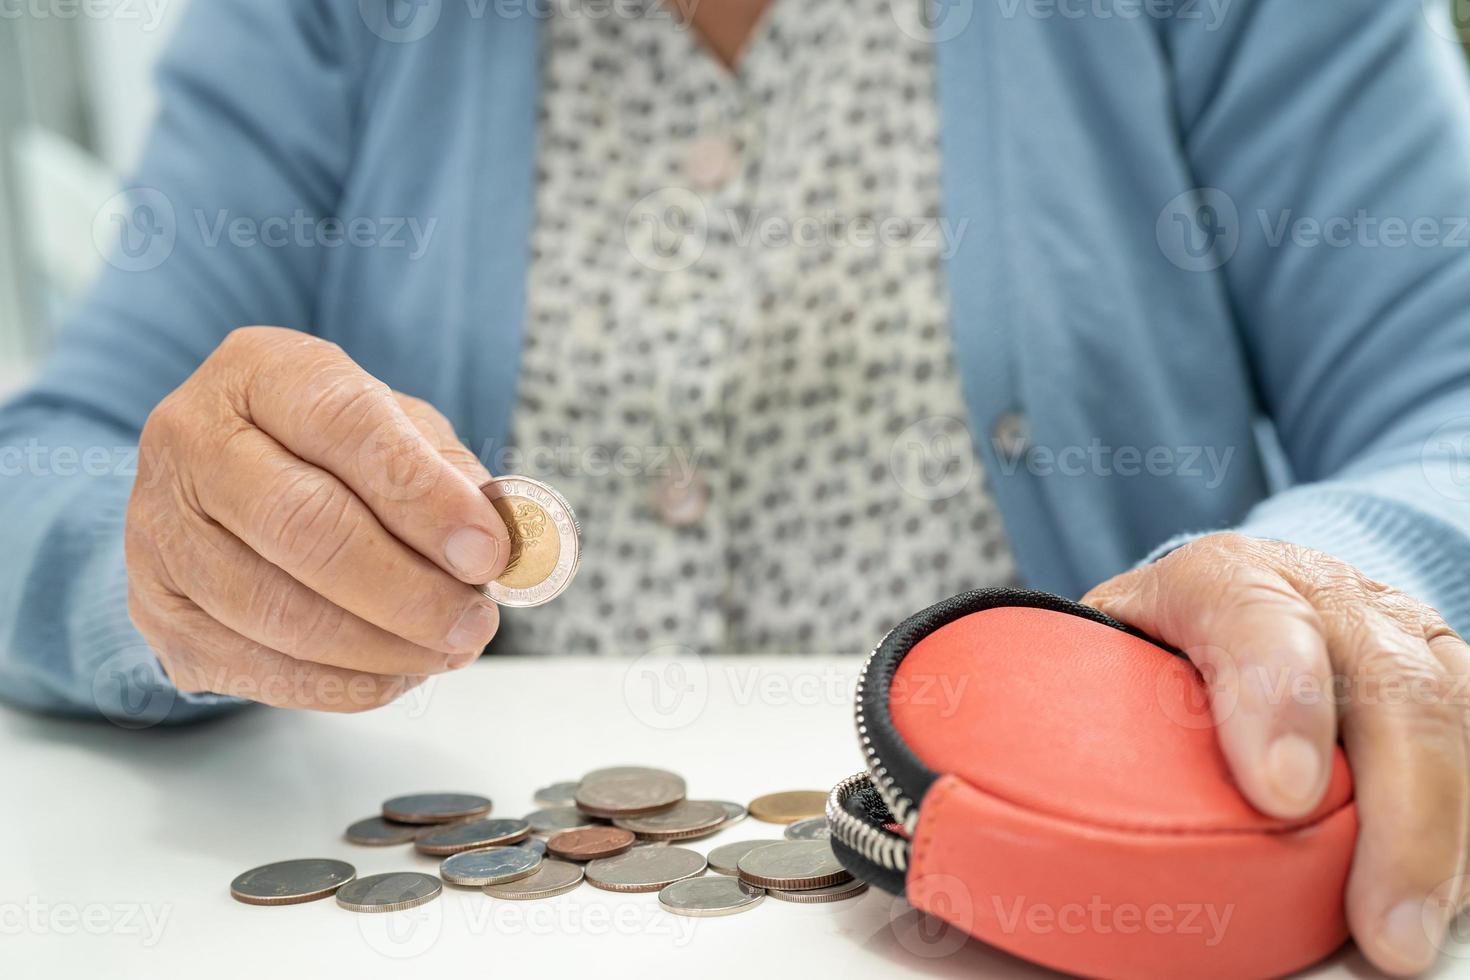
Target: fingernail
1406	936
1294	768
473	630
472	553
459	660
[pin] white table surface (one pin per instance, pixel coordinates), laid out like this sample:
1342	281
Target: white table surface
117	847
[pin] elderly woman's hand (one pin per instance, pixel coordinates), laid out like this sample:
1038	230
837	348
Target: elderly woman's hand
1298	649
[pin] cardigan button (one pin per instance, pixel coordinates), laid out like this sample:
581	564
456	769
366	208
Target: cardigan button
710	163
681	503
1011	436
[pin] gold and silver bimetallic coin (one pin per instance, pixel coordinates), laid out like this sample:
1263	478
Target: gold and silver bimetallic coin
545	542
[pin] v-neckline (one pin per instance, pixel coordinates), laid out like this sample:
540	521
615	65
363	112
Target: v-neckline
737	72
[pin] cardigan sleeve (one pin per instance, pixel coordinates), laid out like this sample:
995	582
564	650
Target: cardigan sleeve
255	123
1338	133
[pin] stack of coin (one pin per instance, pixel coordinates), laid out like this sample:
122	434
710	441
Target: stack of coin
621	829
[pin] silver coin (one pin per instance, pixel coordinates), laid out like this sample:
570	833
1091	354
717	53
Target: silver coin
793	865
377	832
535	845
551	879
625	791
555	819
725	859
704	897
472	835
819	896
435	807
545	542
291	882
644	869
490	866
812	828
389	892
557	794
687	818
734	812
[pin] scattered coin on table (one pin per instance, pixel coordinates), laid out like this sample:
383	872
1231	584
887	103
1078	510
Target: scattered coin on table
291	882
725	859
551	879
819	896
790	806
555	819
687	818
812	828
590	843
734	812
472	835
534	844
557	794
390	892
793	865
435	807
377	832
704	897
490	866
545	542
625	791
645	869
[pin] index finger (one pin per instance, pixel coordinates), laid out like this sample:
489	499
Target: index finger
325	409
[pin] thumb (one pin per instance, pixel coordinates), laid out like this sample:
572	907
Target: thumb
1260	648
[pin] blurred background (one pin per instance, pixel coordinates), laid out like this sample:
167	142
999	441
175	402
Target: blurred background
76	99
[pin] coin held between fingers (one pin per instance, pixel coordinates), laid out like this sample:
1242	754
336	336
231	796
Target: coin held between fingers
545	542
472	553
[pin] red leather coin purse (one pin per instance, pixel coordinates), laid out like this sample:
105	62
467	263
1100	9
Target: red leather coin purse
1049	780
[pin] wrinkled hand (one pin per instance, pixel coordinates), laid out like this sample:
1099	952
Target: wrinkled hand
1298	649
302	536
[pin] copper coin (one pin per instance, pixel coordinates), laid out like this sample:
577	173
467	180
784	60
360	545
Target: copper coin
625	791
685	819
790	806
435	807
473	835
545	542
590	843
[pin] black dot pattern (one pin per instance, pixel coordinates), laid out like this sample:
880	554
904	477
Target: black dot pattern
738	365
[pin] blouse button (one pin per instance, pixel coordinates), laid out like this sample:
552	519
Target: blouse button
1011	436
710	162
682	503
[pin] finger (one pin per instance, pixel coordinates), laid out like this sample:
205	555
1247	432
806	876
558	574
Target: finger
1406	744
1260	646
200	655
315	401
435	427
249	596
306	522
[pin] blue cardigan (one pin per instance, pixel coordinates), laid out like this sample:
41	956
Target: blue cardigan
1153	339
